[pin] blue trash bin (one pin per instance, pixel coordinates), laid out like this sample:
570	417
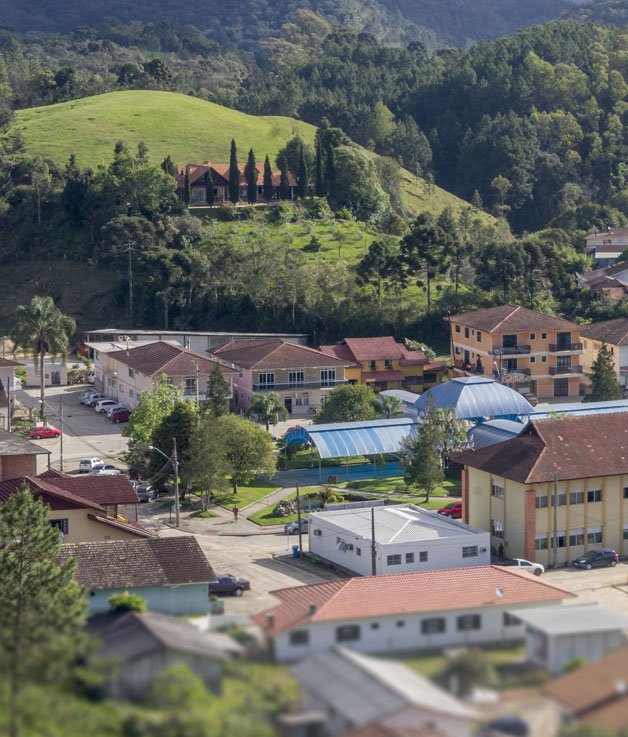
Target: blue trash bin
295	551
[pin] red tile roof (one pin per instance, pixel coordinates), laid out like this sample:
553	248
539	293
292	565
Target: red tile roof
221	172
374	349
104	490
511	319
40	487
160	357
378	729
612	331
404	593
587	446
275	354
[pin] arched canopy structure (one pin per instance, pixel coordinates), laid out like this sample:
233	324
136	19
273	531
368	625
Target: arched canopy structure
350	439
475	398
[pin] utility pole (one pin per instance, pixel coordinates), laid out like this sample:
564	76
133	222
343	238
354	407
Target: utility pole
299	520
62	431
128	248
373	548
175	465
196	372
555	543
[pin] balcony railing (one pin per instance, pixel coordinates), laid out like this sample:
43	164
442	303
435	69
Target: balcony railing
568	347
558	370
524	371
471	368
276	387
509	350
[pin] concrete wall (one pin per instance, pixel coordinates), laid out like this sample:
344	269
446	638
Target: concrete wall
185	600
444	552
554	652
402	632
12	467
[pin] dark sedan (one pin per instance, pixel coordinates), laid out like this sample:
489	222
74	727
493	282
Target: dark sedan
596	559
229	584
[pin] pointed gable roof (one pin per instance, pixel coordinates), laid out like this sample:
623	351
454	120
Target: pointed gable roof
41	487
275	354
375	349
161	357
511	319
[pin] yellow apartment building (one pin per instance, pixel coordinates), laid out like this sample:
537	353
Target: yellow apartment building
527	350
508	488
615	334
382	363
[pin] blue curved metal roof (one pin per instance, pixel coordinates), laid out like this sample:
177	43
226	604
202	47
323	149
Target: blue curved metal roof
475	397
578	408
347	439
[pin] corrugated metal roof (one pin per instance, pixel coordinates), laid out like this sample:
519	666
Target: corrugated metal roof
578	408
475	397
404	396
573	619
347	439
493	431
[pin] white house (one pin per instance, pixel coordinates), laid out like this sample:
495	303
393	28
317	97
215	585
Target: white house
407	538
407	612
606	247
557	634
55	372
352	690
7	388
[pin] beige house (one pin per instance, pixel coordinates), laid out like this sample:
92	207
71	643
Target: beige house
301	376
508	488
615	334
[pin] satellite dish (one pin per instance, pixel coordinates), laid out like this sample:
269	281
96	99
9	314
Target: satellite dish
500	593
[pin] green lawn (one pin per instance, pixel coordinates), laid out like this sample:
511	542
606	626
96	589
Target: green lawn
395	484
431	664
265	516
246	494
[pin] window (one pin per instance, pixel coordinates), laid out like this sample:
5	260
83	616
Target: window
541	501
509	620
509	341
543	359
625	531
466	332
532	336
497	490
121	388
296	378
470	551
328	377
131	393
625	492
561	540
468	622
594	537
479	336
299	637
393	560
266	380
374	625
400	623
302	399
543	336
457	328
576	497
388	363
372	364
594	495
497	528
576	537
62	524
540	543
458	350
347	633
429	378
433	626
409	557
131	372
561	499
423	556
358	552
532	359
190	385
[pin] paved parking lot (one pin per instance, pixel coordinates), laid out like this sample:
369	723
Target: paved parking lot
608	586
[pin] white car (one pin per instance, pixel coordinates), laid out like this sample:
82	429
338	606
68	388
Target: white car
91	399
87	464
103	405
110	410
105	469
526	565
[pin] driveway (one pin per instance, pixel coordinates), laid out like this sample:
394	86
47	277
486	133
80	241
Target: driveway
608	586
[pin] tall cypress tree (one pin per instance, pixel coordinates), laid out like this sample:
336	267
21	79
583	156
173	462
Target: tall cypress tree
320	187
302	176
604	383
234	174
251	178
330	168
187	187
284	186
209	187
268	180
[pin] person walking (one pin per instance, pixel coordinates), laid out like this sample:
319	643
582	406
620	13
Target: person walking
236	511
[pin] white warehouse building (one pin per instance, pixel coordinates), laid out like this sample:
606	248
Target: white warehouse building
407	539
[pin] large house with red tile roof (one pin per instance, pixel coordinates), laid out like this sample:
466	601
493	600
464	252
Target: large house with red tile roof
382	363
220	178
302	377
508	488
84	508
427	610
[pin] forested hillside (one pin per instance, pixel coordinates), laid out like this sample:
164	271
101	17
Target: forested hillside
436	22
604	12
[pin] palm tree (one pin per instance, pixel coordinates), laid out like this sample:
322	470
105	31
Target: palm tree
391	406
42	328
268	407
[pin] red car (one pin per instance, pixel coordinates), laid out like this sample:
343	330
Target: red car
44	431
120	415
453	510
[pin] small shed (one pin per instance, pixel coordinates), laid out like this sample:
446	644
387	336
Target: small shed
557	634
55	373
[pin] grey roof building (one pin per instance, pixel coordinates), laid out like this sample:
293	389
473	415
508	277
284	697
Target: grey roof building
18	456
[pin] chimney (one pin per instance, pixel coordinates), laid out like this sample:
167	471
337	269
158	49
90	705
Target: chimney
312	609
270	620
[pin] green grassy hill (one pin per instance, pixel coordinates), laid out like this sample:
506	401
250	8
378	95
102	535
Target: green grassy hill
186	128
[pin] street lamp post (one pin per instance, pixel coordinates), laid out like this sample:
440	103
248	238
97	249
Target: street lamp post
174	459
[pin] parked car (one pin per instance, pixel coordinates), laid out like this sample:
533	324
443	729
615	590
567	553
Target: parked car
453	510
104	404
91	395
596	559
531	398
110	410
120	415
95	398
87	464
229	584
145	492
507	725
292	528
104	469
44	431
82	395
526	565
91	376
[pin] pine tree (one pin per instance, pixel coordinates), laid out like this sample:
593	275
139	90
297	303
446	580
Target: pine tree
209	186
251	178
218	393
187	187
302	176
604	384
284	186
268	180
234	174
476	200
320	187
42	608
